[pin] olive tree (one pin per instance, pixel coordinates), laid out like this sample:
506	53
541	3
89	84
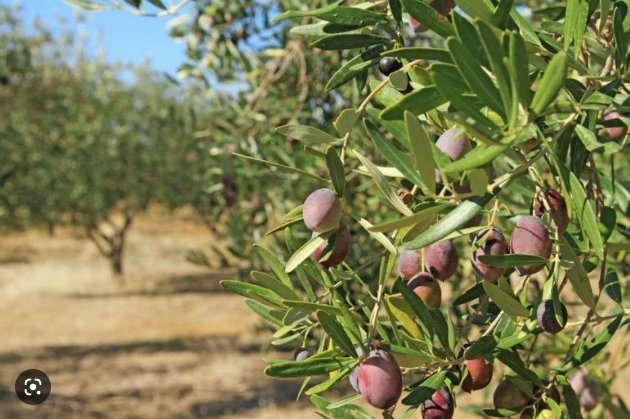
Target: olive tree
81	146
488	151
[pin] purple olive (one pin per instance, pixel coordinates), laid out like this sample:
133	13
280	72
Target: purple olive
558	207
439	406
589	398
322	211
409	264
340	248
380	379
441	259
494	245
530	237
479	374
580	380
616	133
454	144
354	374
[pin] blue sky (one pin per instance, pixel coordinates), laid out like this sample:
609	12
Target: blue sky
125	37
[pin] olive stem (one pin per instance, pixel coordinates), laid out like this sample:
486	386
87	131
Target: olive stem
591	312
598	319
504	180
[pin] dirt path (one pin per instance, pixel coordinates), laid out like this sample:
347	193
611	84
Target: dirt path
172	344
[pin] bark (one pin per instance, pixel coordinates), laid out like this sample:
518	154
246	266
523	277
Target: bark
112	244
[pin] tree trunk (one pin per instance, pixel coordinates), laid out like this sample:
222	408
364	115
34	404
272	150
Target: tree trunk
118	248
116	263
112	245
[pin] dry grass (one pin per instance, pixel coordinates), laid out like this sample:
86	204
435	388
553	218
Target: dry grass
170	344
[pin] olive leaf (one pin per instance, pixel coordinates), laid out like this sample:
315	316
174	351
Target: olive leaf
308	367
306	134
505	301
303	253
449	223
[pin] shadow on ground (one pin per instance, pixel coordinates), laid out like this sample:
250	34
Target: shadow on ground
132	380
178	284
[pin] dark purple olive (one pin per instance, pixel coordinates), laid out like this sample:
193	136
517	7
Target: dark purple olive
440	406
340	248
387	65
558	208
547	317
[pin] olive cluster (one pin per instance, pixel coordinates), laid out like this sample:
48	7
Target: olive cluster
378	377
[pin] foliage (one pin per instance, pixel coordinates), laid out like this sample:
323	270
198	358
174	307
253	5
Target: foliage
534	91
506	81
81	146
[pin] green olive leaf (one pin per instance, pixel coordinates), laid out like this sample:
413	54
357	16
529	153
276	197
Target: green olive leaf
308	367
425	389
550	84
303	253
335	170
417	102
422	152
510	305
383	185
585	214
336	332
306	134
392	155
449	223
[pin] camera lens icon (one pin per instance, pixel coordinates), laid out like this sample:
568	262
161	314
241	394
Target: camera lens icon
35	382
33	387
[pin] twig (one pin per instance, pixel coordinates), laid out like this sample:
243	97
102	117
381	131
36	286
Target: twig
170	11
366	101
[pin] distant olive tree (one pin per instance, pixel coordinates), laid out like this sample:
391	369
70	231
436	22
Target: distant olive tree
80	145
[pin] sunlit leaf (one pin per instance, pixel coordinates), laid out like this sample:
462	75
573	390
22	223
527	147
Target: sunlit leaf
505	301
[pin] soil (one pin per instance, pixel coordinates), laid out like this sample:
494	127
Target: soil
169	343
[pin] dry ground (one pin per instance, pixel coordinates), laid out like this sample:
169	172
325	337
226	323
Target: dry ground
170	344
